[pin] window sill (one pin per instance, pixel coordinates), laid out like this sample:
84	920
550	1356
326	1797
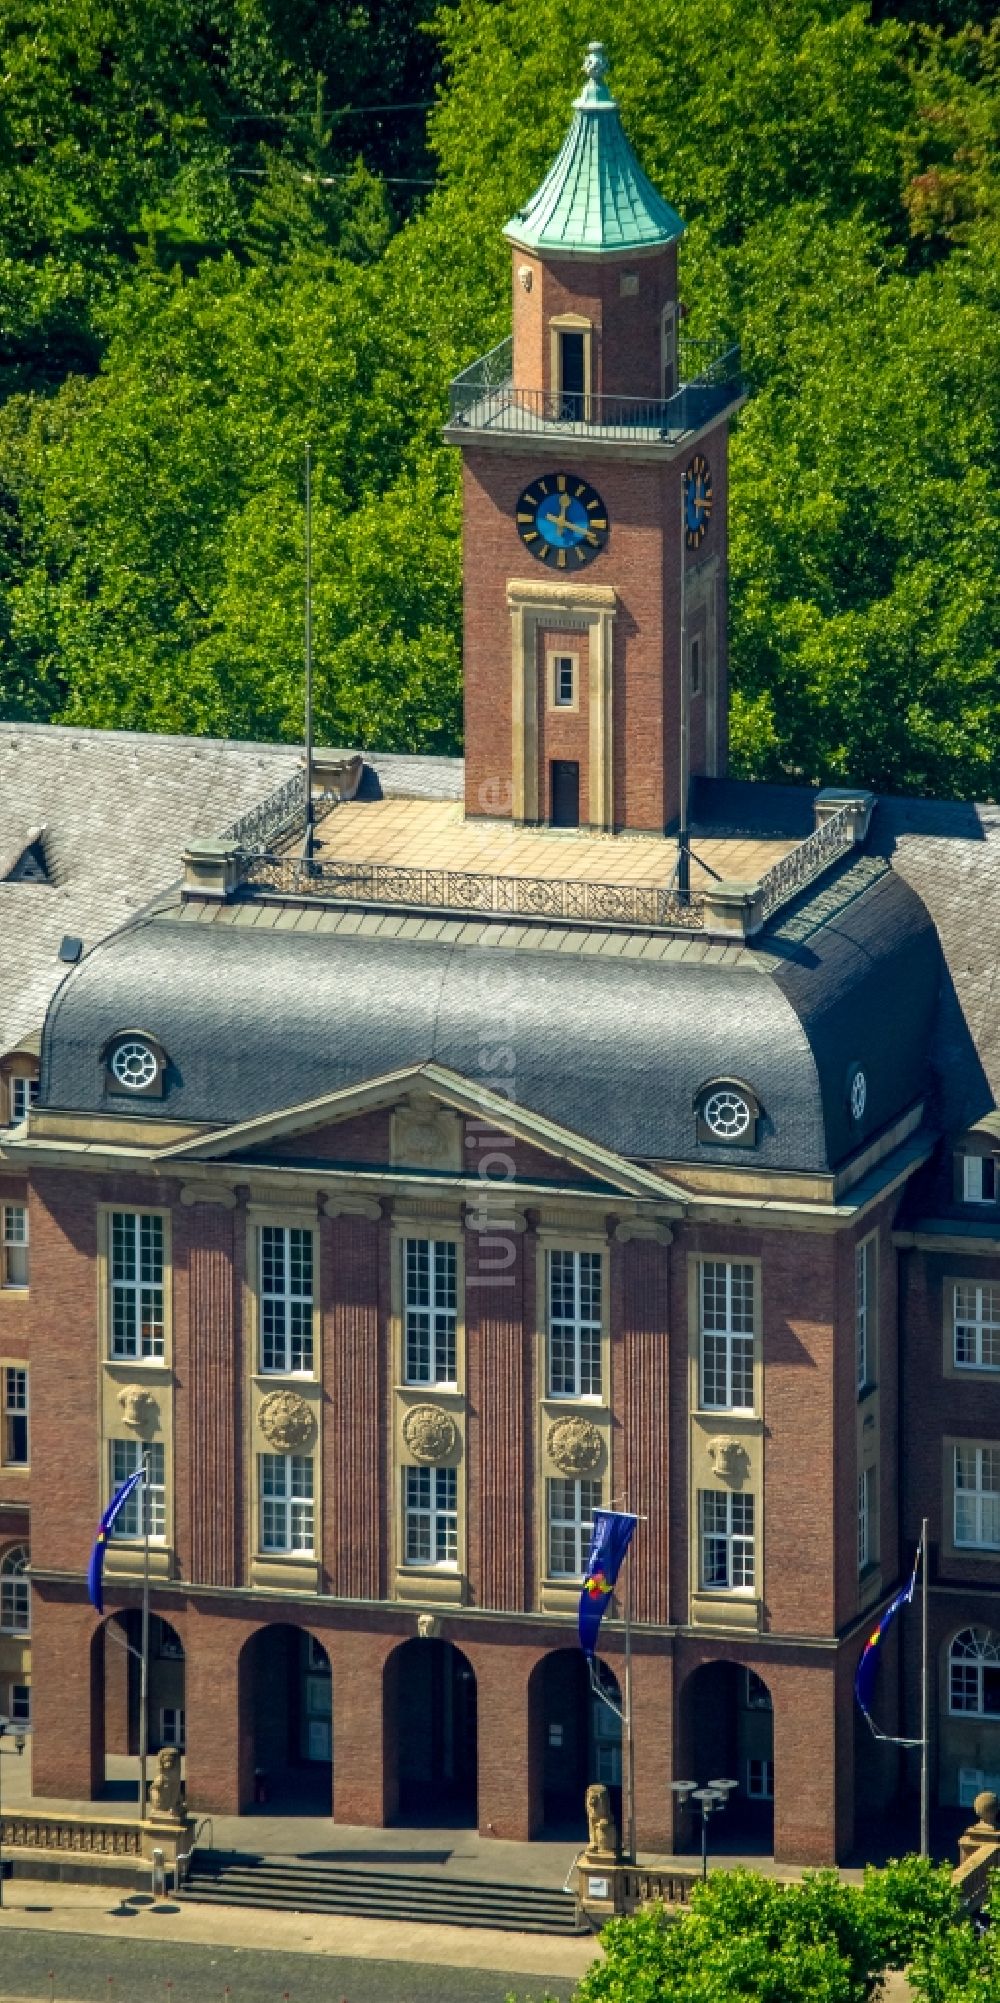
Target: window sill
445	1389
991	1552
15	1287
153	1363
284	1572
719	1607
430	1585
296	1376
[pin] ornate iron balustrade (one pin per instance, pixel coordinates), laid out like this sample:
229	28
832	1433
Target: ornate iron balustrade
484	398
457	891
281	813
804	863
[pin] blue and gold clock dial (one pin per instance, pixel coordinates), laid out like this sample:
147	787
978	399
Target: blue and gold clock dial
697	501
562	520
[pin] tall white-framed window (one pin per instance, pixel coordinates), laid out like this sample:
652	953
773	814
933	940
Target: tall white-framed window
15	1415
286	1298
867	1517
135	1260
694	677
430	1516
574	1289
979	1178
973	1781
760	1780
126	1457
668	349
726	1310
430	1311
974	1672
172	1726
15	1598
727	1541
977	1498
15	1245
866	1312
570	1509
976	1311
23	1094
563	671
20	1703
286	1504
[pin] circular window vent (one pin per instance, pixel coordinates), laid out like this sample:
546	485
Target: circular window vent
727	1114
858	1093
134	1065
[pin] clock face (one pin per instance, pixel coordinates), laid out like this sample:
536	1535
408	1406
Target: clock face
697	500
562	520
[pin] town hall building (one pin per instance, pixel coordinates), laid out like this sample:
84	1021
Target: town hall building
578	1127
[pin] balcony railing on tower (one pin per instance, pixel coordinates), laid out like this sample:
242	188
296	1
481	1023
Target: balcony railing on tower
484	398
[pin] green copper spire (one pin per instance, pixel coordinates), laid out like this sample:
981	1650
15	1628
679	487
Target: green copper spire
595	198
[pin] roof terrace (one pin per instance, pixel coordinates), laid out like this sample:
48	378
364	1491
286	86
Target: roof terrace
484	399
409	855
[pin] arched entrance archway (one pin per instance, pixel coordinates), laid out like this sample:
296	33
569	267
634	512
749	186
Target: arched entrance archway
727	1733
119	1641
576	1737
286	1702
429	1694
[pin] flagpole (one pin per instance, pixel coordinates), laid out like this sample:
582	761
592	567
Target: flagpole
629	1742
144	1642
925	1706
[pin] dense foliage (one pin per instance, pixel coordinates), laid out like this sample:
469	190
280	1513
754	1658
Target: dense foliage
748	1939
207	255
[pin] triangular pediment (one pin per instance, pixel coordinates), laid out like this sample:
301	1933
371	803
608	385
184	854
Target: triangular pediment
428	1106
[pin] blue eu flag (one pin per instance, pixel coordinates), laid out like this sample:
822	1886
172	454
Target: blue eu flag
611	1537
95	1570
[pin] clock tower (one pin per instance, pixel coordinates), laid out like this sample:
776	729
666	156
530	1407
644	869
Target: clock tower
594	444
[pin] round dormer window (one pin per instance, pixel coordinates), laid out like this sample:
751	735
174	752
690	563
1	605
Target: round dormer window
727	1115
858	1093
134	1065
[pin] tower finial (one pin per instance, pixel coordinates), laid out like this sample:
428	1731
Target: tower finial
595	63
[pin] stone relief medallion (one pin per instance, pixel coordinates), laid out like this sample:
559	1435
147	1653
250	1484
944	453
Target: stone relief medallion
426	1136
286	1421
139	1409
575	1445
525	276
728	1458
430	1434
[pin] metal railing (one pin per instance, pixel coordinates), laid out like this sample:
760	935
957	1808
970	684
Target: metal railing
484	398
281	813
804	863
458	891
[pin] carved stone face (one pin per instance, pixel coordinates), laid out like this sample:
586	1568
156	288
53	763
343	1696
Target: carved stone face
286	1421
728	1458
139	1409
430	1434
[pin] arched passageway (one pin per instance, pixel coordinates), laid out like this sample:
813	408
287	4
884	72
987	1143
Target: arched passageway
117	1648
431	1733
727	1733
577	1739
286	1703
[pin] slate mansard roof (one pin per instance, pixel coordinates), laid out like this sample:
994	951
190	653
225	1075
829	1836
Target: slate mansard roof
258	1017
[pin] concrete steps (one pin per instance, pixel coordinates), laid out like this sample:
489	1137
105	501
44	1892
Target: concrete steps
290	1884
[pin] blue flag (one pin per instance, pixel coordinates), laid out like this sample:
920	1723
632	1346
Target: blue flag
868	1662
95	1570
611	1537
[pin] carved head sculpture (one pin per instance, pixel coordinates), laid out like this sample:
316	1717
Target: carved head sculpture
428	1627
728	1458
139	1409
